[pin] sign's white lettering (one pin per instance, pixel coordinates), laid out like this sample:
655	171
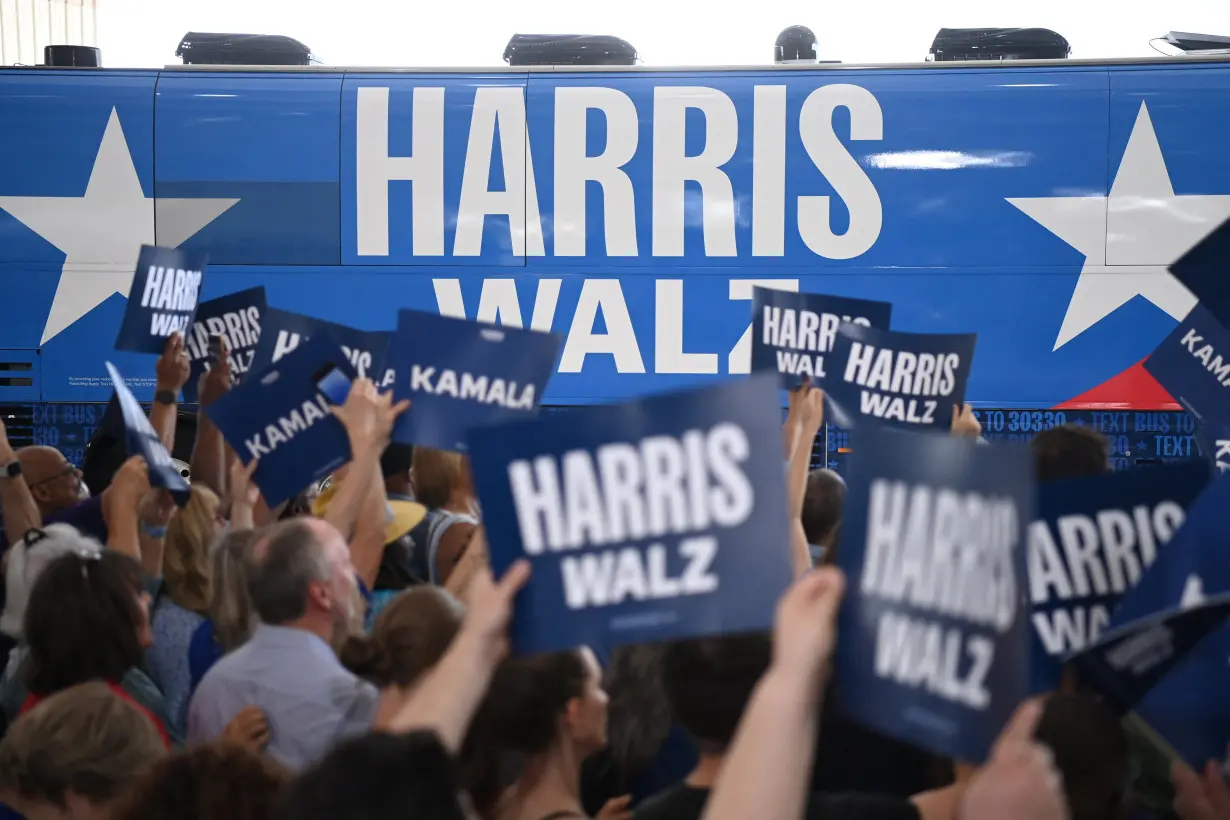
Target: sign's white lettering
288	340
285	428
1208	356
497	119
171	289
468	387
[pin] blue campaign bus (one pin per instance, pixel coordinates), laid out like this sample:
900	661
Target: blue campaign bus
631	210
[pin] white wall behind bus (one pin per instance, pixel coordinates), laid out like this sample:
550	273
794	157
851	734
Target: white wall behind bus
26	26
145	33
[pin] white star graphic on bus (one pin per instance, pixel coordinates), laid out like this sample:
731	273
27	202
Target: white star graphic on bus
1130	237
102	231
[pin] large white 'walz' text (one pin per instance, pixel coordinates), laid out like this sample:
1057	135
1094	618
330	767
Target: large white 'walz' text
662	489
944	553
916	375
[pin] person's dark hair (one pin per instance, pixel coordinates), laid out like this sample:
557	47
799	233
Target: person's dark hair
378	777
822	505
710	680
217	781
410	636
396	459
527	696
285	561
1069	451
1091	753
83	622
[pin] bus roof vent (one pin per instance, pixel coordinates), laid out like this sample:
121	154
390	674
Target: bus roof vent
72	57
959	44
203	48
1197	44
568	49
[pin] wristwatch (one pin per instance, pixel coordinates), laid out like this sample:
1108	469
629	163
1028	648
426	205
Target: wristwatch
10	470
165	397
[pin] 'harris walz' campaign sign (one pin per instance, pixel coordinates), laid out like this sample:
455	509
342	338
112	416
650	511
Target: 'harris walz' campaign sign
1189	707
282	332
1093	539
793	333
460	374
933	642
236	318
143	441
908	380
1193	364
280	416
654	520
165	289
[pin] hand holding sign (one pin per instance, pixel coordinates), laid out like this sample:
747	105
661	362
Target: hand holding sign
215	382
805	631
964	422
368	416
1020	781
172	367
128	485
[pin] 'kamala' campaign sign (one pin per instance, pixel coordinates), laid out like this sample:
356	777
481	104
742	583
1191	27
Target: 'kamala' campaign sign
1203	271
280	416
1092	541
460	374
282	332
236	318
1214	438
1193	364
1189	707
909	380
659	519
144	442
933	641
165	289
793	333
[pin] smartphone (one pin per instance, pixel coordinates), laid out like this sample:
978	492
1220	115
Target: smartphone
332	383
214	353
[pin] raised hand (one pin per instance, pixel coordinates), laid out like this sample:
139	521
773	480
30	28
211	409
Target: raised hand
1200	796
805	629
243	489
964	422
217	381
172	368
368	415
249	729
616	809
1020	781
489	608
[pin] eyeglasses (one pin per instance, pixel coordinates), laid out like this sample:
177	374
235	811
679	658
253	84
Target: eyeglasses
69	470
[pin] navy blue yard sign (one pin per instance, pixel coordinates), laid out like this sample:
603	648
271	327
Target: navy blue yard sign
905	380
143	441
282	416
933	643
166	287
460	374
236	318
793	333
658	519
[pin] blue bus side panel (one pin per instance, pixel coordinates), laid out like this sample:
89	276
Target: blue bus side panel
271	142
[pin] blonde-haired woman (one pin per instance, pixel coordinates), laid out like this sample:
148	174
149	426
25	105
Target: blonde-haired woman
184	603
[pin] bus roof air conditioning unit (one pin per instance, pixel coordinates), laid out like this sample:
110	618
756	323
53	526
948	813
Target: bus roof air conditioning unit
202	48
960	44
568	49
72	57
795	45
1198	44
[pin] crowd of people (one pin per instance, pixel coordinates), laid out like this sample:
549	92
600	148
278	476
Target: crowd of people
345	655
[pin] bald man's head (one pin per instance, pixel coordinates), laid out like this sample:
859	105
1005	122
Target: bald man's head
54	482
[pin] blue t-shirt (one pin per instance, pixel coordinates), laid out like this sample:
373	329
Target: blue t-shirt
86	517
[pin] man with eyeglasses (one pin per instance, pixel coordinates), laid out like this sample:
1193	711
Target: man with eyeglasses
58	491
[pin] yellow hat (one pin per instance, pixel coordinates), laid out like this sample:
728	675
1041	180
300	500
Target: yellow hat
403	515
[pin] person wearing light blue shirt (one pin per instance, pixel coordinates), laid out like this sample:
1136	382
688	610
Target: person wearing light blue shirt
302	585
